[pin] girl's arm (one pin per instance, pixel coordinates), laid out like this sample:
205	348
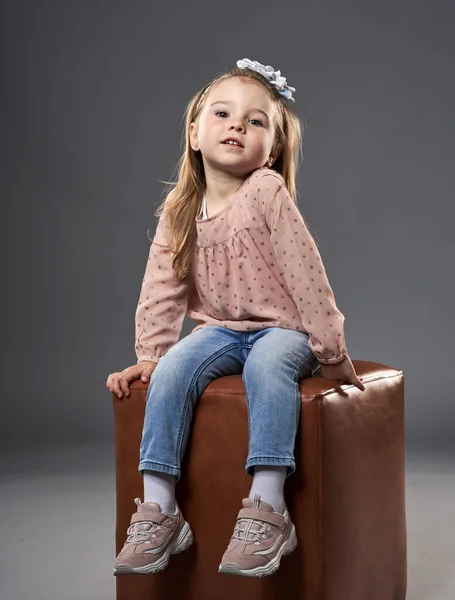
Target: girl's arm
162	303
301	266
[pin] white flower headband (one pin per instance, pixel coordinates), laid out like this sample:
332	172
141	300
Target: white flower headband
273	77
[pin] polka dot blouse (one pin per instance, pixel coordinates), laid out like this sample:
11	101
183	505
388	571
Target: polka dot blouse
254	265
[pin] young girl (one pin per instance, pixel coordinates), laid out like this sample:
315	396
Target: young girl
231	250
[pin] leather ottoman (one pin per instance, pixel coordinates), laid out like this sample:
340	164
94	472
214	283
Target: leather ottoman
346	499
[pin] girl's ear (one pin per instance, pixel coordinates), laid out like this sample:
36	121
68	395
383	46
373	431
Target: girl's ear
193	136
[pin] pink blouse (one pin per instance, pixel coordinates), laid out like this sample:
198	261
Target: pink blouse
254	265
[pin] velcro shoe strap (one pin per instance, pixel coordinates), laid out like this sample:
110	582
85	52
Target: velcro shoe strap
261	515
142	516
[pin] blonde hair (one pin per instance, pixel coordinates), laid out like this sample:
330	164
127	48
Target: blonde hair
183	201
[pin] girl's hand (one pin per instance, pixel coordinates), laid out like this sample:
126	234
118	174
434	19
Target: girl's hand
118	382
342	372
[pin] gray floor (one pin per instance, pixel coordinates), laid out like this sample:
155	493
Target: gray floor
57	515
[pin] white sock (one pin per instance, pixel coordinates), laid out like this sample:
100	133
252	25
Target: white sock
160	487
269	482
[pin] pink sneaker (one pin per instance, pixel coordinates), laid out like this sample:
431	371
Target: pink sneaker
261	537
152	537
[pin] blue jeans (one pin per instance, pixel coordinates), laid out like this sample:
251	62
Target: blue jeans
271	360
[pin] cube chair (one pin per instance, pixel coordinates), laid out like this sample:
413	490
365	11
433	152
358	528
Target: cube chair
346	498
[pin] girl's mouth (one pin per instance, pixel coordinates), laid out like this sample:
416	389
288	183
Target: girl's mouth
232	145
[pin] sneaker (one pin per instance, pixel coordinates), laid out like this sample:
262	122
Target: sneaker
152	537
261	537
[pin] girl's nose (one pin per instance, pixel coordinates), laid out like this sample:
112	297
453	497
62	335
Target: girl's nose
239	126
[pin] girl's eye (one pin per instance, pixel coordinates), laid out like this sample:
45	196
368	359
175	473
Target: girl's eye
225	113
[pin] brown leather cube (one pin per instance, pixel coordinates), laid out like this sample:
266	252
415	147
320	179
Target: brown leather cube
346	498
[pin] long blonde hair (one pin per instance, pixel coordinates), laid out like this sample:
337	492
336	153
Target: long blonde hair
183	201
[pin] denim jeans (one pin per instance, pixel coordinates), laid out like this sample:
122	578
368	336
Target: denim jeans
271	360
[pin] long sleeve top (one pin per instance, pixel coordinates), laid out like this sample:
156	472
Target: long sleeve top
254	265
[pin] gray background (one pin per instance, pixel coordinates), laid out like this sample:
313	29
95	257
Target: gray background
92	118
93	94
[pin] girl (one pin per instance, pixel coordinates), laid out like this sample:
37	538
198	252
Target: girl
231	250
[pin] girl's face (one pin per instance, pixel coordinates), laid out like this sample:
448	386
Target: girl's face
240	109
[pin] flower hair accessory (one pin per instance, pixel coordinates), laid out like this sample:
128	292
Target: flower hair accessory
273	77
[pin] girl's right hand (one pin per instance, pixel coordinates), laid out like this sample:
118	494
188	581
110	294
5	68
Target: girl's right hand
118	383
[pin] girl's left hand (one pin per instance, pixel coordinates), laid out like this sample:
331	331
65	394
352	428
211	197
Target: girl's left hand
342	372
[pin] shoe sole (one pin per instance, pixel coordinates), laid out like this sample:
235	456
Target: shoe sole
289	546
184	541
